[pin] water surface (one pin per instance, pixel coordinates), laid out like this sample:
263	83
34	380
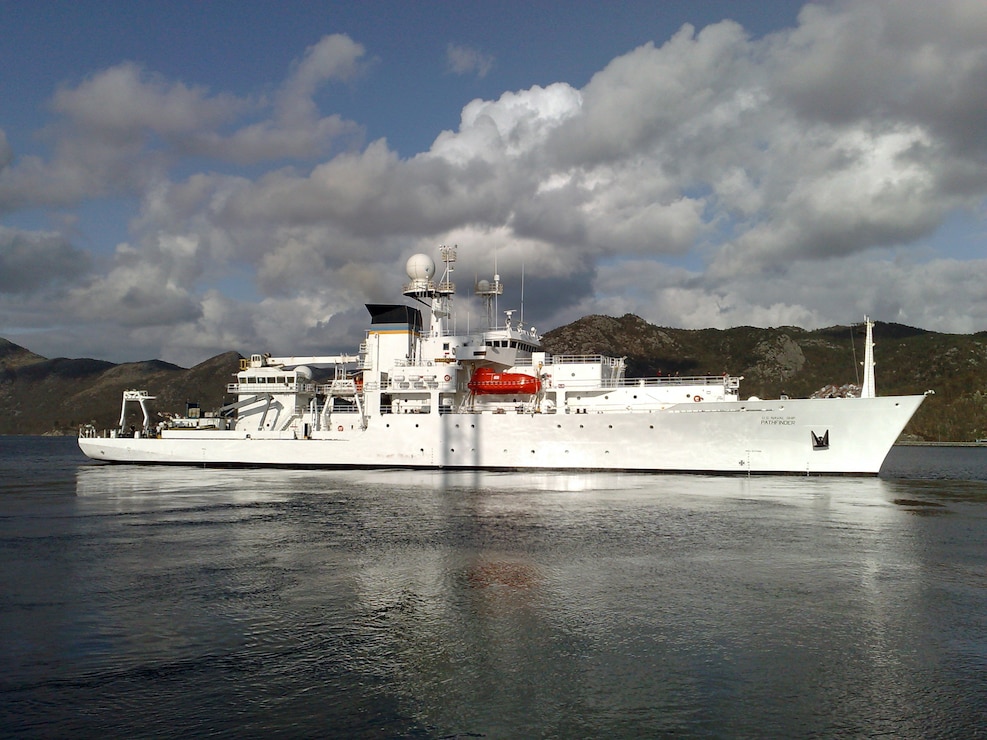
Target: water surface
175	601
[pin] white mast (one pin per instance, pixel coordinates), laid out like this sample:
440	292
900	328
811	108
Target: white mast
421	270
867	389
521	319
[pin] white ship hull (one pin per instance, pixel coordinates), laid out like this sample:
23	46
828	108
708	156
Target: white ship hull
793	436
425	396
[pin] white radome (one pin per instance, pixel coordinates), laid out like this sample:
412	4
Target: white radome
420	267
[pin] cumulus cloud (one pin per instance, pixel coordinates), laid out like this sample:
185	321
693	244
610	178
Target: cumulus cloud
906	291
124	104
6	154
710	179
139	294
36	261
463	60
296	129
120	130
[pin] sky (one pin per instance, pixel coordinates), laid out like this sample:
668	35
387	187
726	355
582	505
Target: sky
180	179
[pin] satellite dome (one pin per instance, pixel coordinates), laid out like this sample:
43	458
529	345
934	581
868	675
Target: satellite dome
420	267
483	286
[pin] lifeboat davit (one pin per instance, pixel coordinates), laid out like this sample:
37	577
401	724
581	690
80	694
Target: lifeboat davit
487	381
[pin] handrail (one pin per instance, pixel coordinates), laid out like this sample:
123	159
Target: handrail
270	387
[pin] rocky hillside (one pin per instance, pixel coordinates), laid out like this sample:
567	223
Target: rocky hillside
38	395
41	396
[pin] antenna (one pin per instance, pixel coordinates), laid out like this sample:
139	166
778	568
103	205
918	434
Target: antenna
521	318
853	351
496	303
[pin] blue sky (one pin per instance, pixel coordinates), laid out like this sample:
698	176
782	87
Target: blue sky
179	179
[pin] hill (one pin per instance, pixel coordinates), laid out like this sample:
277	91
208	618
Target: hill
42	396
38	395
800	363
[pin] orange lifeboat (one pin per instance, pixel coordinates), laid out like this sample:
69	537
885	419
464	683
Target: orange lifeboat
487	381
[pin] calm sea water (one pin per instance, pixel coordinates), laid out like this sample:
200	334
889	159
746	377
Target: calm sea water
243	603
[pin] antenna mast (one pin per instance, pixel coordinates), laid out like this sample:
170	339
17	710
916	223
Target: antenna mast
521	318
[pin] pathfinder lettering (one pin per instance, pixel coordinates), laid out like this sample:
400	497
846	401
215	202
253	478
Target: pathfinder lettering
778	420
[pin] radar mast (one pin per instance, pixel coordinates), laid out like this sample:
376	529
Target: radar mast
421	270
489	292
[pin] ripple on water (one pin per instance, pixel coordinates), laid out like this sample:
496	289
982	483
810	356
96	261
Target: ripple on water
165	601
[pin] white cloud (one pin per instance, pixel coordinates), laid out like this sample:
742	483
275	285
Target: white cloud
296	129
6	153
123	104
711	180
464	60
37	261
139	294
121	129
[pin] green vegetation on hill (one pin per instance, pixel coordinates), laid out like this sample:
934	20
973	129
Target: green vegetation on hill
39	395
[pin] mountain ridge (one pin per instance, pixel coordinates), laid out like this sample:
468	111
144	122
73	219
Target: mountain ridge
40	395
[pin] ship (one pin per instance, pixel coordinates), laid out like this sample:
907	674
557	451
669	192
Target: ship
421	394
